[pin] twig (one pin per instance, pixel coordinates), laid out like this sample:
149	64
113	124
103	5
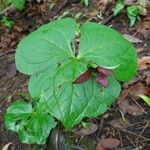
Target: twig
105	21
138	105
76	147
64	3
120	139
142	137
143	130
7	52
131	141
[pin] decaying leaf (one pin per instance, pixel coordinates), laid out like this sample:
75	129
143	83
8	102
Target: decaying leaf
11	70
120	123
130	2
144	62
109	143
92	128
144	27
127	105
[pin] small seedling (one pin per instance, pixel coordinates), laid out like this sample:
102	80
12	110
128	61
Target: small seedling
86	2
133	11
7	22
66	83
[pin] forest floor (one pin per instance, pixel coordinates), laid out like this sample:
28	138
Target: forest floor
126	122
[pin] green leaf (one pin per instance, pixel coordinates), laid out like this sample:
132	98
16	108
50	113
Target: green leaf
37	129
133	13
119	7
8	2
32	126
69	102
19	4
107	48
86	2
47	46
17	114
146	99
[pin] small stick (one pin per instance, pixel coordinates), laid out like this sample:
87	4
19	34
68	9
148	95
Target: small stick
142	137
120	139
7	52
139	105
143	130
130	141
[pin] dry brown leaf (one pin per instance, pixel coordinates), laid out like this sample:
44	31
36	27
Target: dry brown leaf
86	131
144	62
140	49
130	2
132	39
131	108
147	75
119	123
109	143
11	70
144	26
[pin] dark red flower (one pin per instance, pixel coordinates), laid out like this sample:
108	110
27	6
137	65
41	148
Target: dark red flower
102	74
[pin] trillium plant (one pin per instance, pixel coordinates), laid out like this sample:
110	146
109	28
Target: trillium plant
68	83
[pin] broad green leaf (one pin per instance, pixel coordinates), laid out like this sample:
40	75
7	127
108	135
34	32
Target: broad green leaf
119	7
69	102
146	99
17	114
47	46
32	126
107	48
37	129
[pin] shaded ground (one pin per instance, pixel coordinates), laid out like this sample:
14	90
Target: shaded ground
127	120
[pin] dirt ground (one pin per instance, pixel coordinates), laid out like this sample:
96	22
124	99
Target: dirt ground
127	121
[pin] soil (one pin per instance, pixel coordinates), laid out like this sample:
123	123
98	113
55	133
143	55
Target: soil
133	133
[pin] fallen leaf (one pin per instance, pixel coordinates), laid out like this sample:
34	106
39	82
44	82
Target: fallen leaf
144	63
147	76
92	128
143	27
119	123
6	147
140	49
130	2
132	39
127	105
109	143
11	71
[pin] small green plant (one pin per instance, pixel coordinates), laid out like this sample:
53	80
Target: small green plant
86	2
19	4
7	22
133	11
66	83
